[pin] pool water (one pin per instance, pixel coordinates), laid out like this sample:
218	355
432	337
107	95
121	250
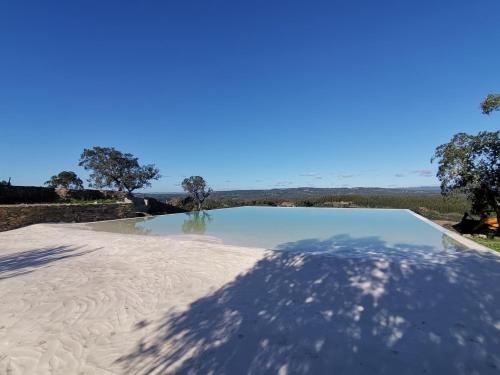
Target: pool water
297	229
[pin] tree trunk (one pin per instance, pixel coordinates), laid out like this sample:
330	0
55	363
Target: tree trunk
129	194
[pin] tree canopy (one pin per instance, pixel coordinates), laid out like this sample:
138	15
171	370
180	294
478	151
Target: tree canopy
491	103
470	164
111	168
65	179
197	188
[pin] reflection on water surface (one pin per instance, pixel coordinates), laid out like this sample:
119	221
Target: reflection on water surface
296	229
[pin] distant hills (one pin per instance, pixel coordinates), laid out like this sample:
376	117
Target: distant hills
304	193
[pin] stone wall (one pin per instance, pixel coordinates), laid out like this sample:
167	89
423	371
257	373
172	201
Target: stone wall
16	216
38	194
89	194
27	194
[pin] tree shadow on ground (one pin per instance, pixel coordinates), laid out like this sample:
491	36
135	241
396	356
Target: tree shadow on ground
28	261
356	306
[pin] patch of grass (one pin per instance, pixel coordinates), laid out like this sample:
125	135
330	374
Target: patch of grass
493	244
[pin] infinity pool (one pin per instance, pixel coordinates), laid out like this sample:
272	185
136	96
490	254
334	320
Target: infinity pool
297	229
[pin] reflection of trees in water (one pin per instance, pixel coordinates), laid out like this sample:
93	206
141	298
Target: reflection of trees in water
126	226
196	223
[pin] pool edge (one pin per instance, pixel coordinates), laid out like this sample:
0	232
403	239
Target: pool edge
472	245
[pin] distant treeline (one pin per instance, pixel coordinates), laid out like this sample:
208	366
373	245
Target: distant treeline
302	193
432	206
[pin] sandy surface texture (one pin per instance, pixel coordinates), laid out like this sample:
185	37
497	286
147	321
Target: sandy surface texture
74	301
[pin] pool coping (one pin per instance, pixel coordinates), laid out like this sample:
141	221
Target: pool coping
473	245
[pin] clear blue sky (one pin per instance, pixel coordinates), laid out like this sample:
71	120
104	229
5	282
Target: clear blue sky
248	94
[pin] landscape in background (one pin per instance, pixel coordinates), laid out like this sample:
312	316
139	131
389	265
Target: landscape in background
426	200
250	187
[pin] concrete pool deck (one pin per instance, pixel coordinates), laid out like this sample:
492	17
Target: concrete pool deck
81	302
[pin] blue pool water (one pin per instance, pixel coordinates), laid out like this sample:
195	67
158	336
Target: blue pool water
296	229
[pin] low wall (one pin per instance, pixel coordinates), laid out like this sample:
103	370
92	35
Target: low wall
27	194
39	194
89	194
16	216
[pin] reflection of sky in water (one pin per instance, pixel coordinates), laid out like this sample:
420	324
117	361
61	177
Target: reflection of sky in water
304	229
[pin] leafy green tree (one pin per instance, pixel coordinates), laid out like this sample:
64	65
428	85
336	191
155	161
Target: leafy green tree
491	103
65	179
470	164
113	169
197	188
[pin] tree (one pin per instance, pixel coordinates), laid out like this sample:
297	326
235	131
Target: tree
5	183
65	179
196	187
491	103
470	164
111	168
